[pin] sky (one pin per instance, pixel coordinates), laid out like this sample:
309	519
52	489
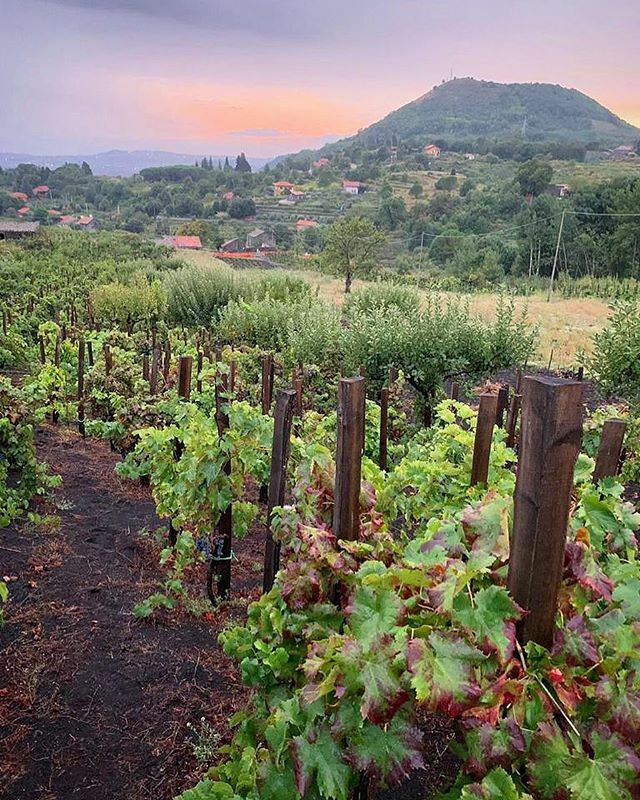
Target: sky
274	76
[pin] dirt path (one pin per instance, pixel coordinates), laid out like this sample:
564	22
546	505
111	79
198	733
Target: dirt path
95	704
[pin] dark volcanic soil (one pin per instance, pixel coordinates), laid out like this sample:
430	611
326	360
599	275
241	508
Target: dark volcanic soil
95	704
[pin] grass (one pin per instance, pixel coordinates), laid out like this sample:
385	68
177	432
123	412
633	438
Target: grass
566	325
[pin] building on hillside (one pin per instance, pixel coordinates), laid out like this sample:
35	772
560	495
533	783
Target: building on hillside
182	242
86	222
303	224
21	196
296	195
622	152
470	156
259	239
67	219
321	162
558	190
22	212
232	246
353	187
228	196
41	191
17	229
54	214
432	150
281	188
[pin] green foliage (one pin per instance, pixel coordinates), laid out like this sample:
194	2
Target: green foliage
351	248
616	356
380	297
139	301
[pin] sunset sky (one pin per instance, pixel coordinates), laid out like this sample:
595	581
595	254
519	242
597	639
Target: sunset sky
273	76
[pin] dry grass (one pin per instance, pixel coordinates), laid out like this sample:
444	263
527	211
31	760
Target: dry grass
566	326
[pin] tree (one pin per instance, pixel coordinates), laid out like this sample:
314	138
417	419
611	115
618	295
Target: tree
534	177
391	213
416	190
241	207
242	165
351	249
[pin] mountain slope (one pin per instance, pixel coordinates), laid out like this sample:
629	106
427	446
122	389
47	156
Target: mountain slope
465	108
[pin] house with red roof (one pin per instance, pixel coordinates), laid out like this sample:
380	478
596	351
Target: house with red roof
22	212
353	187
21	196
303	224
321	162
67	219
183	242
432	150
41	191
228	196
281	188
86	222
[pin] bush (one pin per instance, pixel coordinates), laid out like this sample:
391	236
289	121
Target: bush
197	295
120	304
382	296
616	357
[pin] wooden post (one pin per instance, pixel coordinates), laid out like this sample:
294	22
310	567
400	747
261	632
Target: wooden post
297	386
484	435
518	385
267	382
222	554
580	375
56	352
346	510
167	362
608	459
549	447
199	375
283	417
384	422
81	428
155	369
503	402
454	391
185	365
145	367
43	352
232	376
108	359
90	353
512	419
393	375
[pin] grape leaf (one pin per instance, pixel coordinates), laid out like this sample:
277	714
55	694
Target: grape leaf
320	759
492	620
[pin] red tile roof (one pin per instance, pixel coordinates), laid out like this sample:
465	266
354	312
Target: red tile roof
306	223
19	196
284	184
351	184
85	219
24	210
68	219
41	189
188	242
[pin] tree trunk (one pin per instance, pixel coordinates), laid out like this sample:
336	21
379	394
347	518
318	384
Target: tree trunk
347	283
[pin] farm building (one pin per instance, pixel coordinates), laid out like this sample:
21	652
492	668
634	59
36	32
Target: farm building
14	229
281	188
182	242
21	196
321	162
41	191
232	246
260	239
353	187
303	224
87	222
558	190
432	150
22	212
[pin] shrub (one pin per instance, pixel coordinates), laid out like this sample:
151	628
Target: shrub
382	296
117	303
197	295
616	357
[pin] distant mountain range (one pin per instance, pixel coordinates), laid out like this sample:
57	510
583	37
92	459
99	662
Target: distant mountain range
119	162
466	108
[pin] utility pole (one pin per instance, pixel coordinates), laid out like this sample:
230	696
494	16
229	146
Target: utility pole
555	257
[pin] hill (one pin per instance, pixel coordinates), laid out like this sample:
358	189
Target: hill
465	108
118	162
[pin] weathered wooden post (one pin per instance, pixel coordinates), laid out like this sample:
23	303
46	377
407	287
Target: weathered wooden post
185	365
220	570
267	382
90	353
81	427
346	510
611	440
503	402
512	419
167	362
232	376
199	375
297	386
549	446
108	360
43	352
454	391
145	367
283	418
384	422
393	375
484	435
155	369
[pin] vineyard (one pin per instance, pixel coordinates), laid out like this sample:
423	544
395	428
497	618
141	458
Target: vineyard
255	546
